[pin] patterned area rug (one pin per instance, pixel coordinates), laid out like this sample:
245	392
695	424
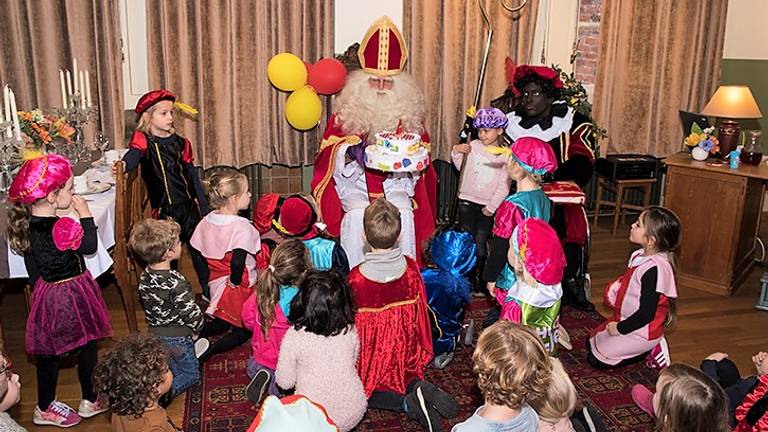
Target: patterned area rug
218	402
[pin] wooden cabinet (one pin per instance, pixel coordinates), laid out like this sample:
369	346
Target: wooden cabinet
720	211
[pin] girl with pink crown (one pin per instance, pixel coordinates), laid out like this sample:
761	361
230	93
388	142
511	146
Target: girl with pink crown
68	314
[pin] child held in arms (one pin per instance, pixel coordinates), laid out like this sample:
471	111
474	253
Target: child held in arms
166	158
484	184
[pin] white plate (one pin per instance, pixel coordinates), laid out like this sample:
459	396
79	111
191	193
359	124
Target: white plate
94	188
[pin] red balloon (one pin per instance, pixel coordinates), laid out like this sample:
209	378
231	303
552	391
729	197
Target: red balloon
327	76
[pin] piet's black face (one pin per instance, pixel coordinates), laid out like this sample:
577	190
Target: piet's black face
534	101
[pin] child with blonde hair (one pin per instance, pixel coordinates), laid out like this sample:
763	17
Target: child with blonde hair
67	313
229	243
265	312
559	402
643	299
512	368
166	159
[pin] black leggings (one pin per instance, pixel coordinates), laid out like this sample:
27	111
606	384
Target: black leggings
48	374
233	337
389	400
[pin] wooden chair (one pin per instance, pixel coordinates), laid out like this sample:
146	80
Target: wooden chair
131	206
620	207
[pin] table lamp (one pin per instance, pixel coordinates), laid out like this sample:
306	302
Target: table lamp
731	102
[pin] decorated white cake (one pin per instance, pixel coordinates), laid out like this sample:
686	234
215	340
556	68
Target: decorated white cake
398	151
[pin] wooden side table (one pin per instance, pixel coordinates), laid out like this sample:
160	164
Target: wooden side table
619	206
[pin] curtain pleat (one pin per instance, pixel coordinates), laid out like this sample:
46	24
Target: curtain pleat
40	37
655	59
214	55
446	41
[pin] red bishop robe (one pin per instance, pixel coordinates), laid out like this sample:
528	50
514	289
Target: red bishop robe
393	326
324	186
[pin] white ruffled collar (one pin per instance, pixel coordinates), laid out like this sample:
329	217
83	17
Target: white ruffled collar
559	126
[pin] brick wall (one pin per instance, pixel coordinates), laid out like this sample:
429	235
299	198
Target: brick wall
589	35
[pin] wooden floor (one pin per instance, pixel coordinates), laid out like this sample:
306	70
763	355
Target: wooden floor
707	323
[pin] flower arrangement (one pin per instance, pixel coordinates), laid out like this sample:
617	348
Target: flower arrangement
575	95
703	139
43	128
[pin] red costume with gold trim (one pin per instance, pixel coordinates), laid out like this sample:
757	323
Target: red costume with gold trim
393	325
383	53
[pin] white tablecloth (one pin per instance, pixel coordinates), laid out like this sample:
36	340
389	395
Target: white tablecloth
103	209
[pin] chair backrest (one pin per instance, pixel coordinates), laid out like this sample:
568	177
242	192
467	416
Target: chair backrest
131	206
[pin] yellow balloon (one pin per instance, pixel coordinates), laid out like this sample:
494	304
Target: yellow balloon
286	72
303	108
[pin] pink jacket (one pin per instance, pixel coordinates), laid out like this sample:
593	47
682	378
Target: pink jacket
265	351
324	370
486	181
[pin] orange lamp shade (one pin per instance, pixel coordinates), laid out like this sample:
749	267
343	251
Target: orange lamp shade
732	101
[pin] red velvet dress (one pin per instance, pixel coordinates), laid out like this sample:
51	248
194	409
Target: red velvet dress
393	325
324	187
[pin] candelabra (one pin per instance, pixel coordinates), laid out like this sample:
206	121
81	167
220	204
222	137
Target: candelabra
78	115
9	155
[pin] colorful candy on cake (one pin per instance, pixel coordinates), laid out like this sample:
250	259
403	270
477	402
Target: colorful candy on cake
398	151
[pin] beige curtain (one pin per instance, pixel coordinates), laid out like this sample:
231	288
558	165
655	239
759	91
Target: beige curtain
446	41
39	37
214	55
655	58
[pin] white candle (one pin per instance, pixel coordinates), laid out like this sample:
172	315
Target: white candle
63	89
74	72
69	83
7	102
88	88
82	89
15	114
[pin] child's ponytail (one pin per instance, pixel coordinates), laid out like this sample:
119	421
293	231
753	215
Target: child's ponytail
18	227
670	321
287	266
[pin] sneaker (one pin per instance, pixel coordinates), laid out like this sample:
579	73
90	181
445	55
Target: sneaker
468	333
258	387
445	404
88	409
58	414
563	338
643	398
659	357
417	408
201	346
441	361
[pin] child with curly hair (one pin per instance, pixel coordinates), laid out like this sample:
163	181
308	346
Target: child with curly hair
513	368
133	376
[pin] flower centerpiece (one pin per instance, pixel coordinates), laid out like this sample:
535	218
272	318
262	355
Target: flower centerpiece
42	129
701	142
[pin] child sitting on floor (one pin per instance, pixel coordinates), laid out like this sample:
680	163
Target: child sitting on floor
393	324
266	311
133	376
513	368
323	343
10	394
643	299
688	400
297	218
448	290
229	243
169	304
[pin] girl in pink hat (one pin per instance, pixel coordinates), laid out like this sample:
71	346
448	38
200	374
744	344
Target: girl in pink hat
529	159
67	315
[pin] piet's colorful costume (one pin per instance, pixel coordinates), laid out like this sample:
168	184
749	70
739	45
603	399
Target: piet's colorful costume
536	157
342	184
264	215
296	217
640	300
67	310
393	325
229	243
448	290
751	414
536	246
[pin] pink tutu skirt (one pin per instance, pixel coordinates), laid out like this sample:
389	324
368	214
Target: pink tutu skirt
66	315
